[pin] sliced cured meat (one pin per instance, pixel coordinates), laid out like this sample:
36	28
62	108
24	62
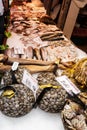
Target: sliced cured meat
28	53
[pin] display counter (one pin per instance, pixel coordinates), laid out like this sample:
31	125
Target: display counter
43	53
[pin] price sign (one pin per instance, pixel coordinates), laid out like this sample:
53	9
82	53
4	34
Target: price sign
30	81
38	40
18	51
66	83
15	66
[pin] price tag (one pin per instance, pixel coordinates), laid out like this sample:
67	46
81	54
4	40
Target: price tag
30	81
18	51
66	83
15	66
38	40
2	82
67	107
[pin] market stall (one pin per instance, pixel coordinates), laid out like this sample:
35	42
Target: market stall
38	55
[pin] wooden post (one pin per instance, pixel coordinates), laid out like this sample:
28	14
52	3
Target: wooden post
63	13
75	6
48	4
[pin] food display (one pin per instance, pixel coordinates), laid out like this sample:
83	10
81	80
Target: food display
16	100
59	50
53	100
13	76
73	116
37	36
40	48
83	98
80	73
54	97
47	78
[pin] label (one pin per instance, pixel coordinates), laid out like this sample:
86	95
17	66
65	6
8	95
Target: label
66	83
18	51
67	107
38	40
30	81
2	82
15	66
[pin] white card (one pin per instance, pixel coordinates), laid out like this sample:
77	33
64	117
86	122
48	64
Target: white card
15	66
18	51
38	40
30	81
2	82
66	83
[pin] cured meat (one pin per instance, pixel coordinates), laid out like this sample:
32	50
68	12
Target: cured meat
52	36
59	51
47	41
47	20
10	61
37	3
28	53
37	54
38	68
44	54
10	53
31	68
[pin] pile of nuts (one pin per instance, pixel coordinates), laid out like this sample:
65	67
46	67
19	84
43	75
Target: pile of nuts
19	104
